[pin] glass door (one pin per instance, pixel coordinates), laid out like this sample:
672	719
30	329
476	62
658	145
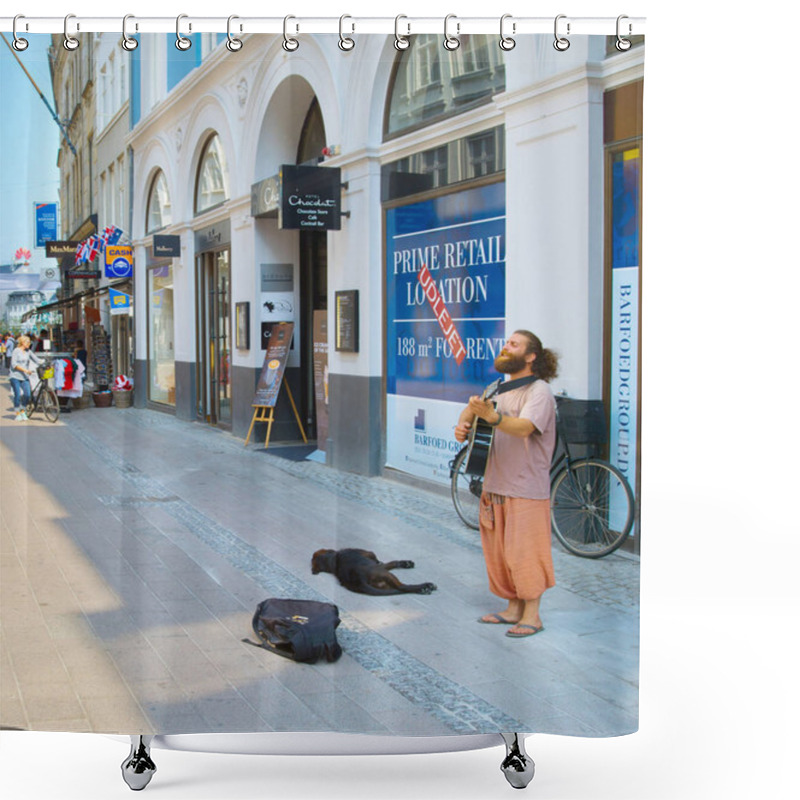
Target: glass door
214	337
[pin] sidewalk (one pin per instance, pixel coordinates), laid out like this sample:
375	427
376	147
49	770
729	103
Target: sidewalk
135	548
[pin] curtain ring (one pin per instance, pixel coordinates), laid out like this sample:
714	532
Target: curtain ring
181	42
19	44
622	44
451	42
561	43
70	42
128	42
290	44
233	44
401	41
506	42
345	42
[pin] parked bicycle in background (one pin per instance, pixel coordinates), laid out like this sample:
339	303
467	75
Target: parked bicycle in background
591	502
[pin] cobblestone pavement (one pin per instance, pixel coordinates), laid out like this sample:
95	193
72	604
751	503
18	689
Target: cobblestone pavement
135	547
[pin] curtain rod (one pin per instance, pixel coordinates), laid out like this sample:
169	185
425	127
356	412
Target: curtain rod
405	25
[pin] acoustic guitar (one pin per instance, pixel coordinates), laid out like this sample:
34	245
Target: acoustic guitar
480	437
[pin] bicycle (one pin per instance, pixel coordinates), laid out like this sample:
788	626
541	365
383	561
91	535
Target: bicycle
43	397
591	502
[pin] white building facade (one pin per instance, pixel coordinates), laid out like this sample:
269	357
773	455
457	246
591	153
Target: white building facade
542	148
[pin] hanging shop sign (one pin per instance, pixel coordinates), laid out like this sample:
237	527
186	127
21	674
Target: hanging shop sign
311	198
45	217
445	306
166	246
82	273
119	302
59	249
119	261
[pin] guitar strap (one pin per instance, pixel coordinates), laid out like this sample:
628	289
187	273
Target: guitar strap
509	386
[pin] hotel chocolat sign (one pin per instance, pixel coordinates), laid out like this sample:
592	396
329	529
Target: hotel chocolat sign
311	198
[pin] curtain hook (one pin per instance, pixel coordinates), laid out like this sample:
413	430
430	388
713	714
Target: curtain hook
451	42
506	42
345	42
19	44
401	41
70	42
128	42
290	44
181	42
561	43
233	44
622	44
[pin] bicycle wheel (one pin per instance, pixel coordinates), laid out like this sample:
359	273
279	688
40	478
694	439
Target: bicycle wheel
32	405
466	491
50	406
591	508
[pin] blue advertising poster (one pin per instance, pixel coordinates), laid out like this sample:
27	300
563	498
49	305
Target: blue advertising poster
45	223
445	301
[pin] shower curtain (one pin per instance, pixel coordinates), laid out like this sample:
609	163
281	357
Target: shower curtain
345	237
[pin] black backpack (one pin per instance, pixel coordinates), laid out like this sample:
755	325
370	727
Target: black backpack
303	630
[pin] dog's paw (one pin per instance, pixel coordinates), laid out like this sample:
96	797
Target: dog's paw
405	565
427	588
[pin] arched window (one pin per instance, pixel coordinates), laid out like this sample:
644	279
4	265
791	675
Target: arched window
212	177
159	207
312	135
430	82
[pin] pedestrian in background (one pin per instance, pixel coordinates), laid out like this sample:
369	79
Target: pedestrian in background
10	343
515	504
23	360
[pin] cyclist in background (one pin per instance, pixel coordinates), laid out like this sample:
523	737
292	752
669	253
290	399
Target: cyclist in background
515	504
23	362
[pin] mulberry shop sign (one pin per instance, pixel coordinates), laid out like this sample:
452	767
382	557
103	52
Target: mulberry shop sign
166	246
311	198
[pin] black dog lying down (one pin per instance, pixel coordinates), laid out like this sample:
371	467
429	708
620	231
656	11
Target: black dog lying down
360	571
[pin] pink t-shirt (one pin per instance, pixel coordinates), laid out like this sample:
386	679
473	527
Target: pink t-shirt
521	467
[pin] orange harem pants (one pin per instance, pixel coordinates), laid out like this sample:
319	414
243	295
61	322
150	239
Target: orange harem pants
515	534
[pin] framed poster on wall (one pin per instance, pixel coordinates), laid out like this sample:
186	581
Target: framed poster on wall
243	326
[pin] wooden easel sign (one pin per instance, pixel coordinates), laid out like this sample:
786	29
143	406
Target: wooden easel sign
271	379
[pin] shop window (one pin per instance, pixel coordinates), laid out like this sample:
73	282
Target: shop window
431	83
159	207
212	177
161	336
482	155
476	156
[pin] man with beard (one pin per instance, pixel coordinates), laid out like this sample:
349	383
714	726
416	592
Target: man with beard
515	504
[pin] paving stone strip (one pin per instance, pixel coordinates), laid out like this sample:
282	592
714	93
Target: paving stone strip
453	705
612	581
